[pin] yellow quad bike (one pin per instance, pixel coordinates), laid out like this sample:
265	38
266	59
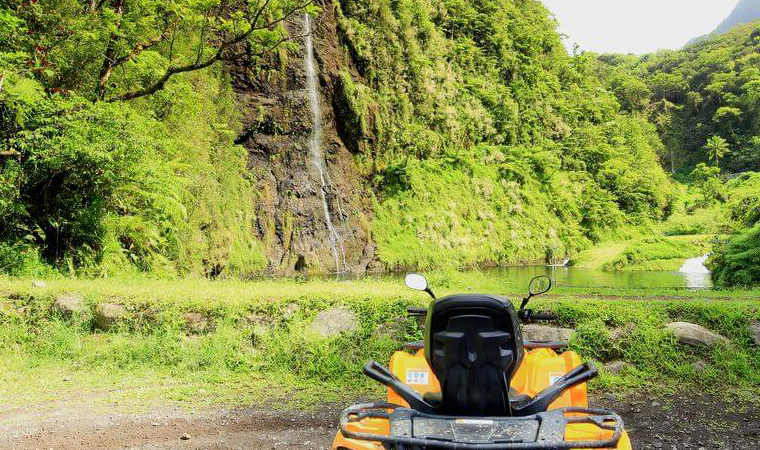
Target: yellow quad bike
473	383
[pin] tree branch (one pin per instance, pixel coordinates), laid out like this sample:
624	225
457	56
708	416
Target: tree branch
218	55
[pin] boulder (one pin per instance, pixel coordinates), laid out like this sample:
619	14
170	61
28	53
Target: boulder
694	335
68	305
615	367
754	331
334	321
534	332
107	315
195	322
38	284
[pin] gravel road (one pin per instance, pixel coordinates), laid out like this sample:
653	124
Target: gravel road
671	423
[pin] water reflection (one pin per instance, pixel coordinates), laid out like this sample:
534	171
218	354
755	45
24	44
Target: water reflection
575	277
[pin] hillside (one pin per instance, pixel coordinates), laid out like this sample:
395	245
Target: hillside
704	91
746	11
449	134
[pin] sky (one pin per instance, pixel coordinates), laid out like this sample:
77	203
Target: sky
636	26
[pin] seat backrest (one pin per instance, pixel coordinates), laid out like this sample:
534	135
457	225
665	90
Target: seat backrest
474	345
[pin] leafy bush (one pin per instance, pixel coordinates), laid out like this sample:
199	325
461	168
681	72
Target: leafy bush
736	262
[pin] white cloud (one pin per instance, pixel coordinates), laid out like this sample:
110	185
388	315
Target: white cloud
636	26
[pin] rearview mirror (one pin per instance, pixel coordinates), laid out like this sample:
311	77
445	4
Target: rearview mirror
539	285
416	281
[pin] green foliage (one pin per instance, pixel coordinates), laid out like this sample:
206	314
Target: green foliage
707	180
656	253
486	142
736	262
708	92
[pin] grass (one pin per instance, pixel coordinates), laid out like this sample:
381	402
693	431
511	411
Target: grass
152	358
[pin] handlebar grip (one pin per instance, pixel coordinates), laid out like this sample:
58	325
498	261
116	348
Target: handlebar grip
543	316
417	311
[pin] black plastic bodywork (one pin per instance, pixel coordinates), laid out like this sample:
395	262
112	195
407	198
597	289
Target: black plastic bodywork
474	345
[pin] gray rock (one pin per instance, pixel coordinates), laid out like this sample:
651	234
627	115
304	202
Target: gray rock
620	333
290	311
694	335
38	284
107	315
615	367
533	332
68	305
390	331
334	321
699	366
258	320
195	322
754	331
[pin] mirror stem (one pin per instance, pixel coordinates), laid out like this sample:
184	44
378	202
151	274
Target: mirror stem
429	291
525	301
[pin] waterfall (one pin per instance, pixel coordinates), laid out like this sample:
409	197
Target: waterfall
695	265
695	273
315	148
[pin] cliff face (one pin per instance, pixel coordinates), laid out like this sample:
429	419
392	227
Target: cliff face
277	124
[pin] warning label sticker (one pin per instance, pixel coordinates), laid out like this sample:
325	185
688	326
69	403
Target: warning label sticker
416	376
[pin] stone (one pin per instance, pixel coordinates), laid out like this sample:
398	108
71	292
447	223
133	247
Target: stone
68	305
258	320
290	311
334	321
38	284
694	335
615	367
699	366
107	315
534	332
391	331
620	333
754	331
195	322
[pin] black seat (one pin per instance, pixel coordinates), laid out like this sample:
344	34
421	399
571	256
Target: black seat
474	345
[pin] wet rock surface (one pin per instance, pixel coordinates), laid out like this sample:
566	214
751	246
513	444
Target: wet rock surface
277	123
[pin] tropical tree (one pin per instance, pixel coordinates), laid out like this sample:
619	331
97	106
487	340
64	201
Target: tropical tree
716	148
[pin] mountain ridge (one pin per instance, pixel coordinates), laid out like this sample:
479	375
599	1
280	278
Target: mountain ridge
745	11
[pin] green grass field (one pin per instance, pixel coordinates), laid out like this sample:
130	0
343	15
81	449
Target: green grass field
257	347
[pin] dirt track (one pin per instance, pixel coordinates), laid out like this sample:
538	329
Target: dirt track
693	422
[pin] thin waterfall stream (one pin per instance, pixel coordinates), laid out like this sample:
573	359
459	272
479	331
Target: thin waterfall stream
315	148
